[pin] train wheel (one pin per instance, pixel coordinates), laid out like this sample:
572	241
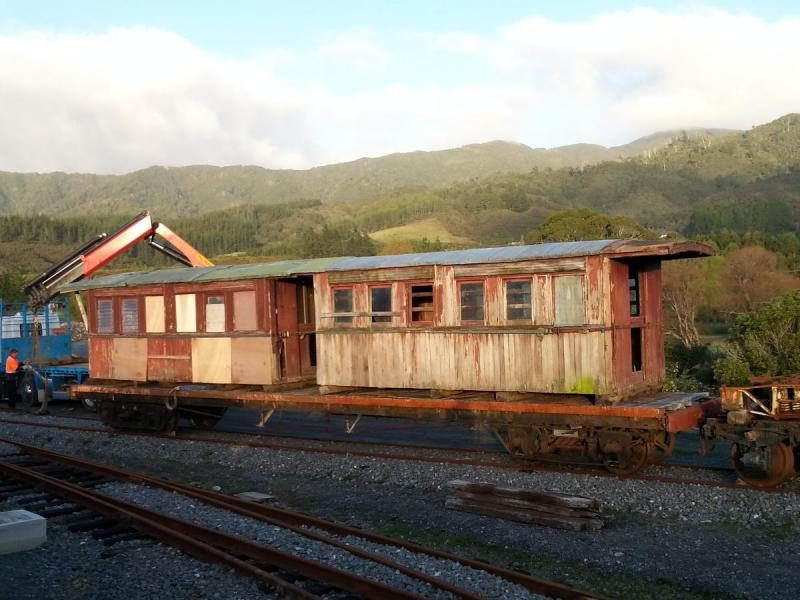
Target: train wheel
627	460
662	447
763	467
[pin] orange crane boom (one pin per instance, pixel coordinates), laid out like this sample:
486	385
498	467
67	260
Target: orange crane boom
106	247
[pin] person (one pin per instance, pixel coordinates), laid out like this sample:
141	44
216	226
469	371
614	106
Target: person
11	378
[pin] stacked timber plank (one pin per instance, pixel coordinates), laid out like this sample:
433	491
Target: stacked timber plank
551	509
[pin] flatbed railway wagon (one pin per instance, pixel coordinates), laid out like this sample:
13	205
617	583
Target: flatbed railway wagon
558	347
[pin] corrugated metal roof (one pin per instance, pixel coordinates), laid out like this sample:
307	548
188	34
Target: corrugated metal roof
282	268
663	249
477	255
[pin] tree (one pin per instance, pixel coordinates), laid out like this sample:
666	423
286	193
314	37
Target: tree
585	224
764	342
691	290
754	278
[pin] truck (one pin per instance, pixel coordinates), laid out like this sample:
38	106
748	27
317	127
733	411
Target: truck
42	329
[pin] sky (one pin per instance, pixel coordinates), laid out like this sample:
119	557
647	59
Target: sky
107	87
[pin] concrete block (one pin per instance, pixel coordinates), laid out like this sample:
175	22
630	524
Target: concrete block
21	530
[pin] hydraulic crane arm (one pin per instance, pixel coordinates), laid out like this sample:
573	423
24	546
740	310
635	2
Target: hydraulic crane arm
102	250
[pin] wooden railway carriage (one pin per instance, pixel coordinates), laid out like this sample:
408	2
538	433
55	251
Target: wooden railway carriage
555	344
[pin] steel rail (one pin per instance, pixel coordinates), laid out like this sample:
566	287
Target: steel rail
206	543
105	506
550	467
293	520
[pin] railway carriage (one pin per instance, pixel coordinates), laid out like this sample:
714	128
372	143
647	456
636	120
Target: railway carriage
558	346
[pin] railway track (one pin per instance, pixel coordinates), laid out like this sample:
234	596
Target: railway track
504	462
64	487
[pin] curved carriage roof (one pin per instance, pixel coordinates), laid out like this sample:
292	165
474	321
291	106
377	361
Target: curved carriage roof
289	268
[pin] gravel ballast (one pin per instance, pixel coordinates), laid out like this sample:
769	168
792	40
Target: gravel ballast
692	539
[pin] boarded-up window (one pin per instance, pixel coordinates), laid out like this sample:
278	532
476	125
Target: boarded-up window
185	313
569	300
154	314
244	311
305	304
421	303
215	314
343	303
518	301
130	315
105	315
381	302
471	301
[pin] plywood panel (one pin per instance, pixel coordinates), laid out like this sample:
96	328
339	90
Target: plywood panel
129	359
215	318
566	362
211	360
253	361
154	314
185	313
244	311
570	301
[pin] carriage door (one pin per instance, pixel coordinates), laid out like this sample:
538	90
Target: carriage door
295	321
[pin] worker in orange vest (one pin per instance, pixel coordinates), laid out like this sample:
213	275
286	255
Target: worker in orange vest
11	378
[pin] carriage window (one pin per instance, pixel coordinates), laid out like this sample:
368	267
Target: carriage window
154	314
471	301
421	303
633	291
381	302
105	315
215	314
244	311
130	315
518	301
569	300
343	303
305	304
185	313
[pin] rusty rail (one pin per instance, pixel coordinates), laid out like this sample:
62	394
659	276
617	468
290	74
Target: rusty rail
208	544
298	523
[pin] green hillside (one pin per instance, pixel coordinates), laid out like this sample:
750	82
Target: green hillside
728	188
172	191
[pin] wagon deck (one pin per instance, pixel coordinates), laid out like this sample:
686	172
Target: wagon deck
666	411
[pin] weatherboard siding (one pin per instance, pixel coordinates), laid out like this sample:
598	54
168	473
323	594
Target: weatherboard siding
576	362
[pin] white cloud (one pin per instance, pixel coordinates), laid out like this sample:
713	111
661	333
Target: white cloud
129	98
358	48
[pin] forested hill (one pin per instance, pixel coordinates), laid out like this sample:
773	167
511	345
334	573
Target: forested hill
178	191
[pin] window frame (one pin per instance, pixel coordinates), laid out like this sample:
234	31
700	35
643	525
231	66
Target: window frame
348	317
387	315
410	310
531	305
138	301
97	302
460	283
634	274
